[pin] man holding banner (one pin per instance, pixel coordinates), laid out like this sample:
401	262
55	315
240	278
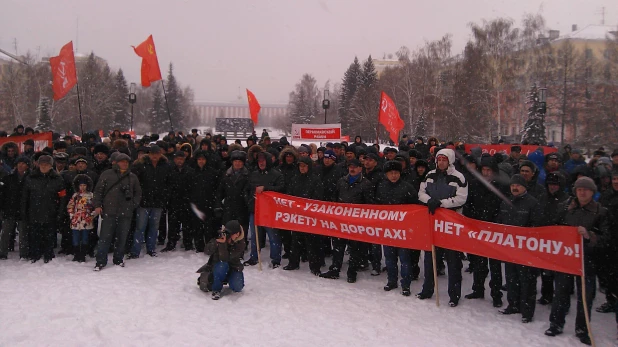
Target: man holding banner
444	187
592	222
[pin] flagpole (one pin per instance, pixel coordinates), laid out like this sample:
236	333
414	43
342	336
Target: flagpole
168	106
79	106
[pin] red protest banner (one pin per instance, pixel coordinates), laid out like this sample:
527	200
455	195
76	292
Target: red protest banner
493	149
555	248
403	226
40	141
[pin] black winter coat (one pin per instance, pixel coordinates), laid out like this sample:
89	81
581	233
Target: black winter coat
42	198
232	196
524	212
154	181
204	190
360	191
180	186
375	176
551	205
308	186
99	168
12	189
329	175
398	193
483	204
271	179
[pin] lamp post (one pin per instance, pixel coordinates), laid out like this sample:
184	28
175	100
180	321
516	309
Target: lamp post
132	100
543	102
326	103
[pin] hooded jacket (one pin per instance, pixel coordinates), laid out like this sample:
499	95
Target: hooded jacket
449	186
329	175
42	197
550	202
271	179
80	207
230	253
288	170
232	196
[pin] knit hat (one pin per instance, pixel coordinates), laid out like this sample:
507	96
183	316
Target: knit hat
101	148
122	156
585	182
45	159
330	155
518	179
23	159
303	149
354	162
393	165
155	149
372	156
61	156
80	160
29	142
180	154
199	153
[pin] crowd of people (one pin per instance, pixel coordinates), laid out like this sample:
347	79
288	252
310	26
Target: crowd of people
114	195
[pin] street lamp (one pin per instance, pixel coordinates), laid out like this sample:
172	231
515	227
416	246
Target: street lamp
132	100
326	103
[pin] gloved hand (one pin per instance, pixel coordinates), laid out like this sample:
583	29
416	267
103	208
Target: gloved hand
218	212
433	204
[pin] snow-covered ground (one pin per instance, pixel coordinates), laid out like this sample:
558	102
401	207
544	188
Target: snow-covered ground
156	302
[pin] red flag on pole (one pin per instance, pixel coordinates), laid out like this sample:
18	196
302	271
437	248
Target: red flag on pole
389	117
150	62
254	106
64	76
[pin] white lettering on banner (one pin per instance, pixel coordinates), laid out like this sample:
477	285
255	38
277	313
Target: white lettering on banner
532	244
293	218
545	246
354	212
398	234
486	233
521	240
494	239
284	202
557	245
472	234
568	250
509	241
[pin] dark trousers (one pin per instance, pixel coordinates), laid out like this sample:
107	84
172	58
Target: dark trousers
521	288
66	235
113	226
394	254
203	232
93	239
179	219
163	226
547	284
41	240
310	244
286	240
481	267
376	256
454	266
358	254
562	298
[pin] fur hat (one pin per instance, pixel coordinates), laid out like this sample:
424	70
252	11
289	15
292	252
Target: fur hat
518	179
101	148
393	165
45	159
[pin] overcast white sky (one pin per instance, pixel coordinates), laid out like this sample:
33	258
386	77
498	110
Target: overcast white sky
218	46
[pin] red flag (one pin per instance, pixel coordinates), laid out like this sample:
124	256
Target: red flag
254	106
150	63
64	76
389	117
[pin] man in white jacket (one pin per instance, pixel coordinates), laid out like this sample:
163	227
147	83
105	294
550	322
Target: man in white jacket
444	187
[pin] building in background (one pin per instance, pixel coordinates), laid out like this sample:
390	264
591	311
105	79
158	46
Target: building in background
208	111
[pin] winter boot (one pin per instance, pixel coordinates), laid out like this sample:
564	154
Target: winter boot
170	247
423	296
390	286
497	302
475	295
291	266
405	291
216	295
510	310
544	301
553	330
331	274
152	254
76	253
605	308
250	262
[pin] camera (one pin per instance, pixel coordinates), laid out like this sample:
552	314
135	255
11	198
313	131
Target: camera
223	232
127	193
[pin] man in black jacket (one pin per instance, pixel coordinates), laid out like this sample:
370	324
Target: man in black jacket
484	205
593	224
11	192
329	173
394	191
555	183
264	178
154	177
606	259
353	189
523	211
181	184
231	198
203	196
306	185
42	198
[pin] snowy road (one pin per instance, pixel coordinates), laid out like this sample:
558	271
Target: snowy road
156	302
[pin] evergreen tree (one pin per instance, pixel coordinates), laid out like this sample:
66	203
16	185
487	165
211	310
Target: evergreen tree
348	89
174	99
159	119
365	103
304	101
420	127
122	118
534	129
44	122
